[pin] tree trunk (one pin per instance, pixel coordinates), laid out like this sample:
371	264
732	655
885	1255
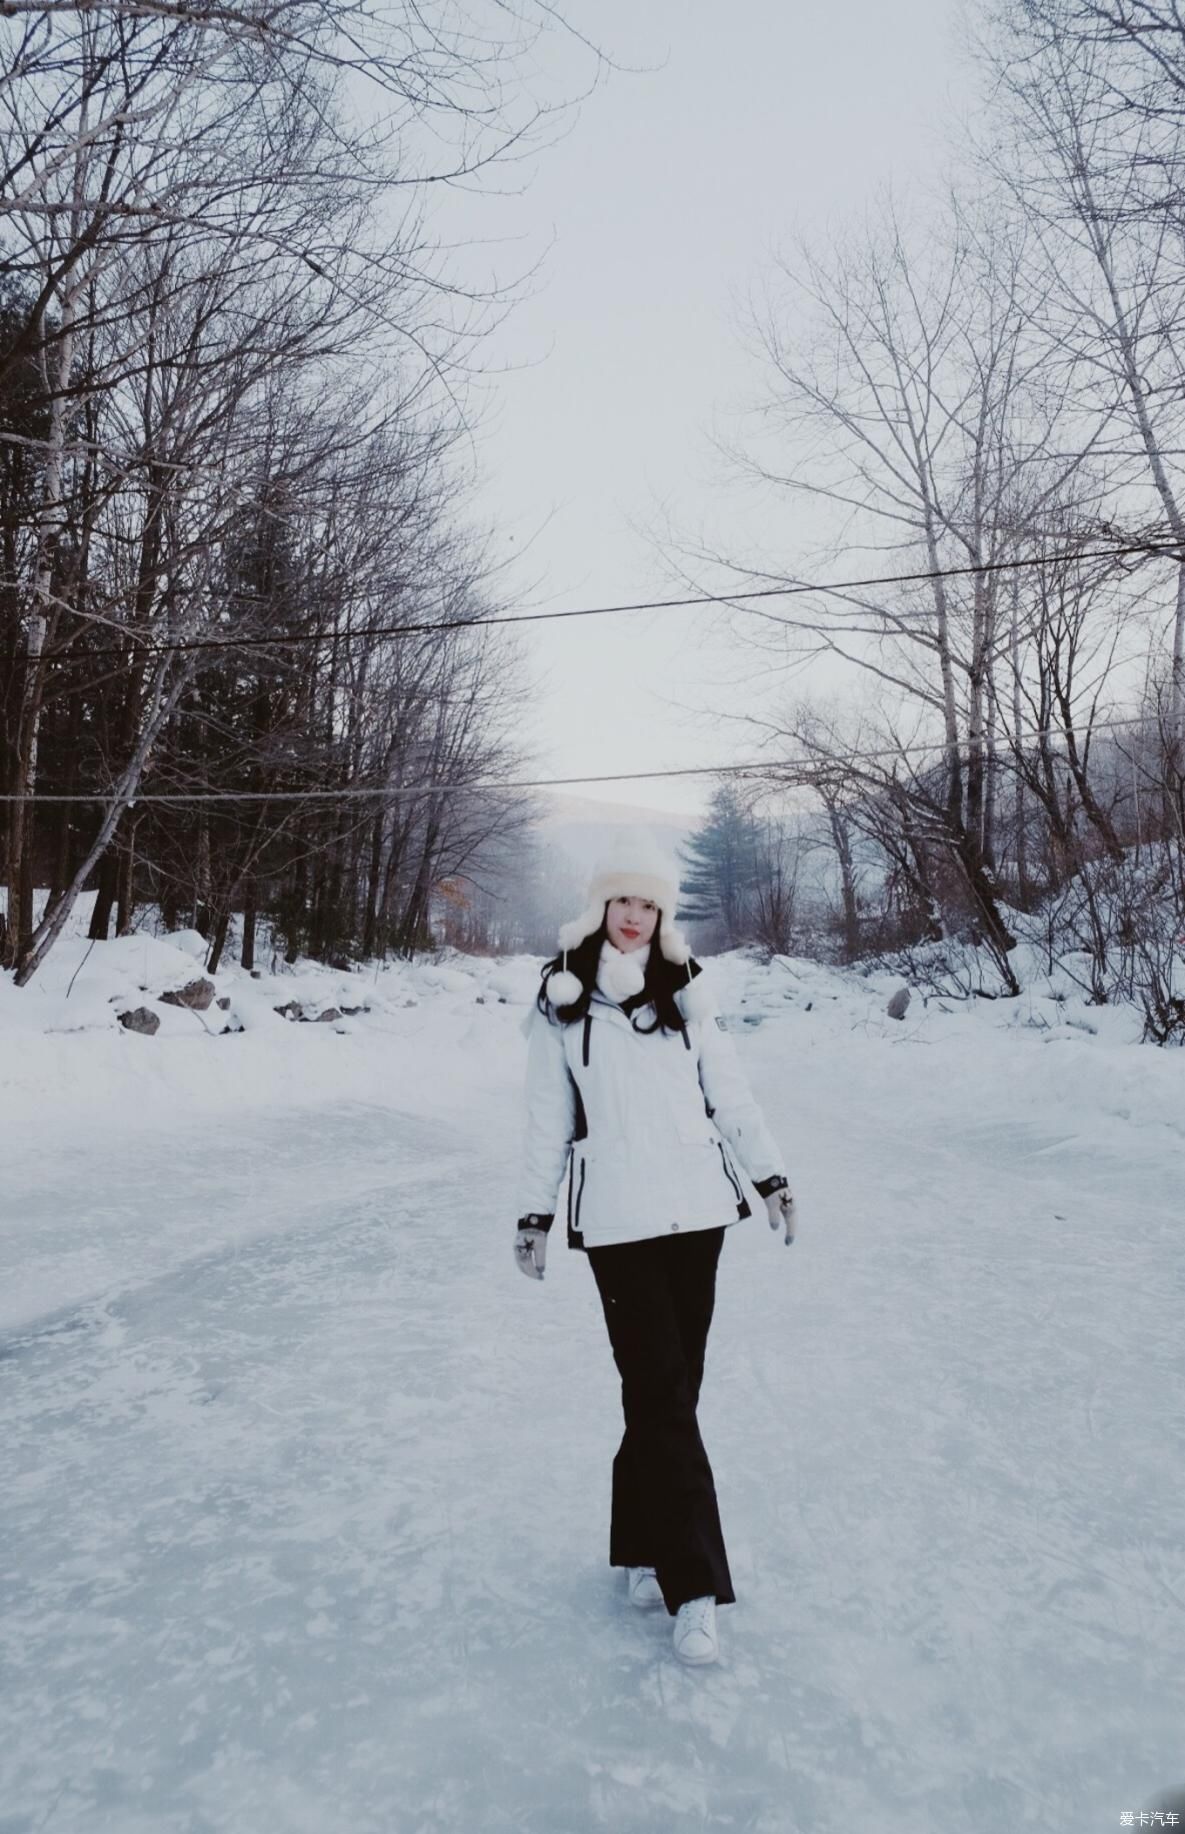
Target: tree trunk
1023	886
842	840
125	880
373	882
100	925
201	884
63	864
218	941
983	892
49	519
247	954
160	709
987	839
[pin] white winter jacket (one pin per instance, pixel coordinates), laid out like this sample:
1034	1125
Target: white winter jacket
653	1124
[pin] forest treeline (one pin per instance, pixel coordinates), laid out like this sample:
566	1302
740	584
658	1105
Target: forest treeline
236	571
232	373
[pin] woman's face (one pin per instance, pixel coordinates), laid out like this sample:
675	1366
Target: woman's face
630	922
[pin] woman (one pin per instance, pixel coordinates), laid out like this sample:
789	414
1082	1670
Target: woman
631	1076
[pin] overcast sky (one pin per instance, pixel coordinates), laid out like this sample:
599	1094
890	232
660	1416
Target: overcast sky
656	215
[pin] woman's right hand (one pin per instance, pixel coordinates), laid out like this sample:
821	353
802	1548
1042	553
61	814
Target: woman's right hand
781	1211
530	1246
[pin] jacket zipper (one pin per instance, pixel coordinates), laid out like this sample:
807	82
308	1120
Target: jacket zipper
579	1195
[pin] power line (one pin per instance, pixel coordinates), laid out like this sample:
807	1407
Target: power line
836	588
764	767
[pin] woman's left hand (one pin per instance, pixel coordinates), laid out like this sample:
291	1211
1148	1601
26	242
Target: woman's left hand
780	1205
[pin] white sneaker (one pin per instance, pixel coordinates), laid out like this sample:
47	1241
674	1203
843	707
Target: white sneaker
695	1631
644	1589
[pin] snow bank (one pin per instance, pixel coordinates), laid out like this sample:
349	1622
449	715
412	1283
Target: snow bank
304	1036
402	1034
1049	1050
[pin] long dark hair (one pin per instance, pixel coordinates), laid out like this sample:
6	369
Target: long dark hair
663	981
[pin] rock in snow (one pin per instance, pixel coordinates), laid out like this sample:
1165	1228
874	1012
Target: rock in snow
899	1005
140	1019
196	995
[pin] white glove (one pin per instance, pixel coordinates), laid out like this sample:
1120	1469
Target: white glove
530	1251
780	1206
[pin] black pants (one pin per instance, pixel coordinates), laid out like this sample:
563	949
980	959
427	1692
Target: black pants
657	1296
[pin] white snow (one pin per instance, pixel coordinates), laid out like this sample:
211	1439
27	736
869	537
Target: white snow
304	1516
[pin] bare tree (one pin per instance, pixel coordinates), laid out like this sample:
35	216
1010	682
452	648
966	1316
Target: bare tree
214	266
904	402
1095	162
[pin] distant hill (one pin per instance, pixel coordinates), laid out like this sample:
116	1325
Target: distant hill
581	829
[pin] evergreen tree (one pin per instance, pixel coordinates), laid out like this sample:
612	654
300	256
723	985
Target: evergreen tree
721	864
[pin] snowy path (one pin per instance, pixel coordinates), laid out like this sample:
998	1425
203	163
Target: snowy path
303	1532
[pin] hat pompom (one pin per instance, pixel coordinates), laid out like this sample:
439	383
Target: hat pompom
620	974
563	988
695	1000
674	945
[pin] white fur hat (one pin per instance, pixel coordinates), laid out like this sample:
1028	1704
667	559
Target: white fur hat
634	865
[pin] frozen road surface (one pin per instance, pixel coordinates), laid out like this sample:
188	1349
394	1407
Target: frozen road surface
304	1510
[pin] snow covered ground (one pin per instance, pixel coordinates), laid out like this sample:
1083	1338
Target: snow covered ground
305	1493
